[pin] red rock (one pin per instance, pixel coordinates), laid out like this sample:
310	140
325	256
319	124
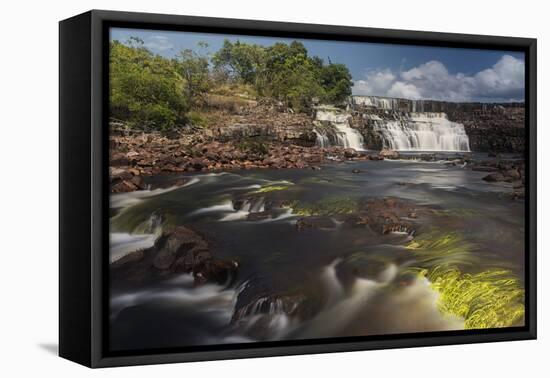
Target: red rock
389	154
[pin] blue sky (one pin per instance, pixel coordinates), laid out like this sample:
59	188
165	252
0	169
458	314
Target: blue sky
416	72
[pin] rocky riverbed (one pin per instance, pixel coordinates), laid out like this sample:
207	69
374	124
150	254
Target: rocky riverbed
136	157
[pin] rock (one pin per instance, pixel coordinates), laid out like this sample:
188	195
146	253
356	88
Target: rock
385	215
218	271
181	250
389	154
118	160
453	163
124	187
350	153
356	171
134	171
183	245
119	174
427	157
315	222
138	182
481	168
513	174
198	164
494	177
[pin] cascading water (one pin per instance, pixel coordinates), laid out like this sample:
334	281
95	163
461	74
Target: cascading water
423	132
346	136
322	138
404	125
375	102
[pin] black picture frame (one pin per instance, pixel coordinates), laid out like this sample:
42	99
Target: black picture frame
84	188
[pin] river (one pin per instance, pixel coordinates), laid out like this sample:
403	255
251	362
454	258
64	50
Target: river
461	268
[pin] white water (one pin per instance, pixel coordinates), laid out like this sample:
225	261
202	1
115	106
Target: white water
347	136
122	200
423	132
144	236
216	300
375	102
322	139
413	307
123	243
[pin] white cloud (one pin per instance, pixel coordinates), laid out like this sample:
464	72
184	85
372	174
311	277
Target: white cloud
508	74
431	80
158	43
404	90
377	82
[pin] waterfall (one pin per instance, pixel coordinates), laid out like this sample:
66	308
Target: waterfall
322	138
376	102
347	136
400	124
423	132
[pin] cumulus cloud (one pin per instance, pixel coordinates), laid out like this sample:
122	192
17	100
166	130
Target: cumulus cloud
504	81
158	43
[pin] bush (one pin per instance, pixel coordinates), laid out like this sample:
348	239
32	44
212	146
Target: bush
144	88
150	91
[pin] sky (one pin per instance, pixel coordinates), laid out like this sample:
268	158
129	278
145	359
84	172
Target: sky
403	71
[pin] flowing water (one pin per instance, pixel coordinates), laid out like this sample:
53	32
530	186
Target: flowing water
462	267
347	136
399	131
423	132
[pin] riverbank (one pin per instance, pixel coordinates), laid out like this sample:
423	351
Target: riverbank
137	156
134	157
233	133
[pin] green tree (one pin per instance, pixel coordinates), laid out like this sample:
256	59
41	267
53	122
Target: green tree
336	81
291	76
195	74
144	88
240	61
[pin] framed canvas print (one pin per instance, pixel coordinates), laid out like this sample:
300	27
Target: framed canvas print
233	188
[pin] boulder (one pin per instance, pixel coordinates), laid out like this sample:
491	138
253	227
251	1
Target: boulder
182	245
198	164
315	222
494	177
513	174
180	250
119	174
123	186
385	215
350	153
389	154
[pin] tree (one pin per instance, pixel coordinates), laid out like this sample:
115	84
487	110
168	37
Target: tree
148	90
194	71
240	61
144	87
336	81
291	76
